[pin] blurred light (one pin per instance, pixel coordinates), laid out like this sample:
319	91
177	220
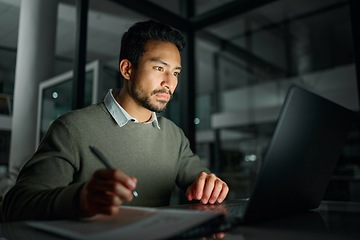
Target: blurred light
55	95
196	121
250	158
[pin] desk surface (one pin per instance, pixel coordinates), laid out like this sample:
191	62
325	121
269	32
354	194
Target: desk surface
333	220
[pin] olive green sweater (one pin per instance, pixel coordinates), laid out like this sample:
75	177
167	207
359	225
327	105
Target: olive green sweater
48	185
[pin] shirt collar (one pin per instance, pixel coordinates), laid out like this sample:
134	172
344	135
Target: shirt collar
120	115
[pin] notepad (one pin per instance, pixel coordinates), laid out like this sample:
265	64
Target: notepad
130	223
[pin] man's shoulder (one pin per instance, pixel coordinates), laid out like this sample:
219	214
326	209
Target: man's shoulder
89	112
163	121
168	125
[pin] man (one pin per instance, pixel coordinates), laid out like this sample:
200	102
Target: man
64	179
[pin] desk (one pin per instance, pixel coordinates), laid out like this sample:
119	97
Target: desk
332	221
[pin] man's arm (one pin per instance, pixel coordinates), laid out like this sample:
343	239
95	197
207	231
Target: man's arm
45	188
201	183
50	185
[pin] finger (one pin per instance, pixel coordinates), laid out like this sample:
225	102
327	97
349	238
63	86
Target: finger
224	192
134	180
115	175
111	188
189	195
91	202
209	187
98	185
98	208
216	191
107	199
128	181
195	189
199	186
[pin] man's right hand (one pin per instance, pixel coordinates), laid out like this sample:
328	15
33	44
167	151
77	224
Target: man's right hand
105	191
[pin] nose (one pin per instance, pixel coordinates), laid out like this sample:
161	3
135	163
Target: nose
169	82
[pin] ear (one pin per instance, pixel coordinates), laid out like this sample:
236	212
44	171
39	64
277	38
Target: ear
125	69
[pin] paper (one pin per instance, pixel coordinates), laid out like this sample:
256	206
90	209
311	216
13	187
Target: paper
130	223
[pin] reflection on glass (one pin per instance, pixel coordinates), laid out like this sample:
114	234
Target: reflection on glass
55	94
246	65
57	100
53	107
203	6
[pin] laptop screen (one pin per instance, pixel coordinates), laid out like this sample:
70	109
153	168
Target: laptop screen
301	156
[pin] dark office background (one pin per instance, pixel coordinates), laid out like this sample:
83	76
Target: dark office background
240	59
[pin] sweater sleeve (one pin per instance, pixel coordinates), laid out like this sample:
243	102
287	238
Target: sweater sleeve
44	188
190	165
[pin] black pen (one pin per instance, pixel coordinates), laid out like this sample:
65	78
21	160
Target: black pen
103	159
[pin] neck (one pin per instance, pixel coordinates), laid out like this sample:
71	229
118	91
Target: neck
132	107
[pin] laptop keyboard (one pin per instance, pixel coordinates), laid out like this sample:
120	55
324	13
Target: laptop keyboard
236	210
231	217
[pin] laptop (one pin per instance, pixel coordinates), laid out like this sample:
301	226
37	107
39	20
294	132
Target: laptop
299	160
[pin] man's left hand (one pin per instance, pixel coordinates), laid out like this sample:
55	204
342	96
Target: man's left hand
208	188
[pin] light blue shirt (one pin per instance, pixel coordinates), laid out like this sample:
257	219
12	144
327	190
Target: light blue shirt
120	115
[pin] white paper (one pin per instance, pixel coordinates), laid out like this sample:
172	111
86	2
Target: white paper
130	223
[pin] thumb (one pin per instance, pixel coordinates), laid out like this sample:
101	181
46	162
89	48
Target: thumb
189	193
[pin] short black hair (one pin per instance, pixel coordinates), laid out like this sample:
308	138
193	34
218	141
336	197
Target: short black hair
133	41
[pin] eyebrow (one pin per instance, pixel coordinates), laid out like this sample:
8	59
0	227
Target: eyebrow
163	63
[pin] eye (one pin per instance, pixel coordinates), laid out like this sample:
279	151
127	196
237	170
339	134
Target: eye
161	69
176	74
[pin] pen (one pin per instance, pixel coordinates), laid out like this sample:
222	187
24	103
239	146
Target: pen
103	159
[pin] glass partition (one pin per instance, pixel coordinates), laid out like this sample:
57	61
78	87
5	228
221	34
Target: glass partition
55	96
245	67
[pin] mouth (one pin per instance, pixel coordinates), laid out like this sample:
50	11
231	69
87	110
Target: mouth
163	96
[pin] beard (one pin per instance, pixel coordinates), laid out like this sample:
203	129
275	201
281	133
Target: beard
140	96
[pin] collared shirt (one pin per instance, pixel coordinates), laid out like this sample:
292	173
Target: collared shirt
120	115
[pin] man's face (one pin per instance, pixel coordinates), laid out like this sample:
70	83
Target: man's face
155	79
